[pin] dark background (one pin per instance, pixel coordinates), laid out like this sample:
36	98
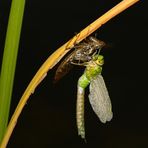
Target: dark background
48	119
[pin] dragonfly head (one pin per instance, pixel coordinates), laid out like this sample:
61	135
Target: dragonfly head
100	60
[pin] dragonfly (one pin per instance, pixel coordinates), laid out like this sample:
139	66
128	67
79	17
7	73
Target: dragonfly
87	54
83	52
98	96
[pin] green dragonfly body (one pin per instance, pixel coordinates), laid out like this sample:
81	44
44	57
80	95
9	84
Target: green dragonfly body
98	97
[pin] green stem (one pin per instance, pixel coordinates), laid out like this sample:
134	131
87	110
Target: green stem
9	61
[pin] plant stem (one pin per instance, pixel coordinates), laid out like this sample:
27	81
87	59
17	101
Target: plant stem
9	61
55	58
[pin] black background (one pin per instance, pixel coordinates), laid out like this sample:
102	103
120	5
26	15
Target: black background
48	119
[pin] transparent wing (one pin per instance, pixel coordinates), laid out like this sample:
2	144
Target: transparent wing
100	100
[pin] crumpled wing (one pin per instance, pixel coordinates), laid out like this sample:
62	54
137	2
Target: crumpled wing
100	100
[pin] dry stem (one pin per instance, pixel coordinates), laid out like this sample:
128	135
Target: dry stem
55	58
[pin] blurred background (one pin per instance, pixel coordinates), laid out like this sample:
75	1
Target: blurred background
48	119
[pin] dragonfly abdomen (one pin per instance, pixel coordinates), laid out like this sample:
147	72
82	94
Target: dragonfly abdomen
80	111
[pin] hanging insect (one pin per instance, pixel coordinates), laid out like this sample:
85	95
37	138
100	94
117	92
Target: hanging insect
87	54
98	97
82	53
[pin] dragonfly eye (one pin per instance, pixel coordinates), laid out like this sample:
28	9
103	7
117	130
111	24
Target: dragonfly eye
100	60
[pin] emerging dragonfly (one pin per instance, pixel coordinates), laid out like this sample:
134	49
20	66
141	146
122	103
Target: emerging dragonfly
98	97
87	54
83	52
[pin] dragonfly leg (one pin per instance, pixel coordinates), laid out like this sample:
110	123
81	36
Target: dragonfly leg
79	64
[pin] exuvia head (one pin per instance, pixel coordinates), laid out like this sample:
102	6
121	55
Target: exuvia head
96	42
